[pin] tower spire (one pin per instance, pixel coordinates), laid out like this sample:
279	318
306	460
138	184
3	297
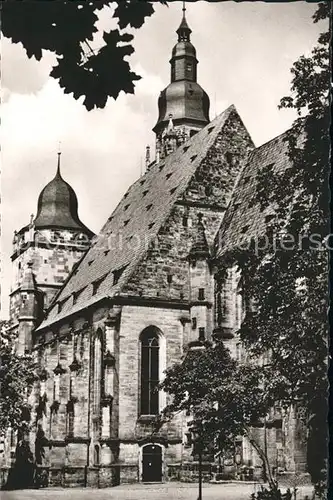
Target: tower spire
59	155
183	98
184	31
58	165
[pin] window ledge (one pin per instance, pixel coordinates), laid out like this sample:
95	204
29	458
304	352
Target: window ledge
147	418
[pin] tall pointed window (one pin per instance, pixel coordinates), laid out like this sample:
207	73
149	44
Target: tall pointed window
240	303
97	373
70	418
149	372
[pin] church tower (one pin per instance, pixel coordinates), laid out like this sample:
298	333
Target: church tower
183	105
44	253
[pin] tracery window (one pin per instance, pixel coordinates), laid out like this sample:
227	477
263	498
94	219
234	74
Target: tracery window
149	372
97	385
240	303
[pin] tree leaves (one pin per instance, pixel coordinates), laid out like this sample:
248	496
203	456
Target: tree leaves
132	12
217	392
66	28
103	74
54	26
288	325
17	374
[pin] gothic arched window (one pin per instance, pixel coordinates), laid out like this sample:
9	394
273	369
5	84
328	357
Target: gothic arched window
149	372
97	386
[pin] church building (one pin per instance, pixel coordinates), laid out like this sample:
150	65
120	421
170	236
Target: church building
105	315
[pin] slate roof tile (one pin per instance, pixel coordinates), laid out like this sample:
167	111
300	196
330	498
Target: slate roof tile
244	218
142	224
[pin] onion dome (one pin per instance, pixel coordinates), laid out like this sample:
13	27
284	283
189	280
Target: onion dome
186	101
183	98
58	206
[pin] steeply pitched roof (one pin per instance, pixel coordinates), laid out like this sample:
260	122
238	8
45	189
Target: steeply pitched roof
244	218
124	238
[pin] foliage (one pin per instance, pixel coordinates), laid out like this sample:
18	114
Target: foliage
17	374
219	395
285	290
287	280
217	391
67	29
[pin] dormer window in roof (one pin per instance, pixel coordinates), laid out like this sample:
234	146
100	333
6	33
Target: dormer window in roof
90	262
148	207
186	148
97	283
193	157
210	130
172	190
151	225
126	206
161	166
269	217
61	305
76	295
169	175
126	222
145	192
117	273
142	182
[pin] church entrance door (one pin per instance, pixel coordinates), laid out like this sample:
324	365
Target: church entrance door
151	464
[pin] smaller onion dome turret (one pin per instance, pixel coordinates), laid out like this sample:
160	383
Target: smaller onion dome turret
58	206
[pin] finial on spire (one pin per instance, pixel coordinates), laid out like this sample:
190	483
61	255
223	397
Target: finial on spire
184	8
59	154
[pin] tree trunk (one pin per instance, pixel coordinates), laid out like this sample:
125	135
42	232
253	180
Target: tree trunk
263	456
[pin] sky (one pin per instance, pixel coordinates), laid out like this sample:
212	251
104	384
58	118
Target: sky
245	52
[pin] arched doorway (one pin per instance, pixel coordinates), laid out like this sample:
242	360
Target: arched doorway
151	463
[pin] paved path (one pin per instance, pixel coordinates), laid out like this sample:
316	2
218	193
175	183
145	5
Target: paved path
169	491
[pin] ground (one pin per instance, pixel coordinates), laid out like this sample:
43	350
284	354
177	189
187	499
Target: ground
170	491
